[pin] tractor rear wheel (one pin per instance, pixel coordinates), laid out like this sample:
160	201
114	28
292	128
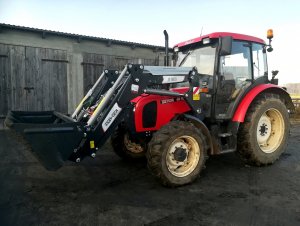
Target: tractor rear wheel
124	147
176	153
263	136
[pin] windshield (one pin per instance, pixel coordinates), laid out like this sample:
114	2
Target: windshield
203	58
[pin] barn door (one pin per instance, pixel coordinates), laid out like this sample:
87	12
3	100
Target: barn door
46	79
4	64
32	79
54	72
12	73
92	68
120	62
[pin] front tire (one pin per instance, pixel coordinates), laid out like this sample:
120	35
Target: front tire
124	147
176	153
263	136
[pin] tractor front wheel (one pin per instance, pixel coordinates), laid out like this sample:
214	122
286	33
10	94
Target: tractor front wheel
124	147
176	153
263	136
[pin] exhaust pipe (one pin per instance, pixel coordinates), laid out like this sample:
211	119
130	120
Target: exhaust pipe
166	48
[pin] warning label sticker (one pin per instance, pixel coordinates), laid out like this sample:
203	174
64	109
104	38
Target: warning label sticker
196	93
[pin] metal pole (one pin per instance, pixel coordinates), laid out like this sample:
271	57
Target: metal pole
166	48
106	98
89	93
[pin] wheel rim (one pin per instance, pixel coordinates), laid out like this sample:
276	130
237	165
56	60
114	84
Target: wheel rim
131	146
270	130
183	156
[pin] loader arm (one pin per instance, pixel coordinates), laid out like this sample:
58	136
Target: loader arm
101	86
116	104
55	138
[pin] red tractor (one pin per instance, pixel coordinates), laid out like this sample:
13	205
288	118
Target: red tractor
217	99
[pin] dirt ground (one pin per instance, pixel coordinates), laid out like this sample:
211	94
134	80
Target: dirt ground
107	191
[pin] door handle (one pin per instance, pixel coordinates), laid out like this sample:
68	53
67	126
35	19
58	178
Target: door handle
28	89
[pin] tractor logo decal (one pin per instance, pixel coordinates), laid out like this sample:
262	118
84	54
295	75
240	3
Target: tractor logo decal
114	112
171	100
196	93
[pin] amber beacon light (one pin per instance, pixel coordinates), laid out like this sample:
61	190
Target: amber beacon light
270	33
270	36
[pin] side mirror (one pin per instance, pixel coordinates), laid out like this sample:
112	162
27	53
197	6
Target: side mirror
274	73
273	80
226	45
270	49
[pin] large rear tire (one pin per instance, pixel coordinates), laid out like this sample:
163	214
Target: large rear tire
124	147
263	136
176	153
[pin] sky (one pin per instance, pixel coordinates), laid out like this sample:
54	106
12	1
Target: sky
144	22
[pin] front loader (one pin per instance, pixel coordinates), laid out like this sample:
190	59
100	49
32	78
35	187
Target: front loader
217	99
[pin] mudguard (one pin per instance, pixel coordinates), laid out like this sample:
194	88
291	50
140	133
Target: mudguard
243	106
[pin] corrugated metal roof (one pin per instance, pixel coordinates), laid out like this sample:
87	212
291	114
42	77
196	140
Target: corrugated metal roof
79	37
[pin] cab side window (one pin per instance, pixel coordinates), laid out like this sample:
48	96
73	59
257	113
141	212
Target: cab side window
259	61
237	65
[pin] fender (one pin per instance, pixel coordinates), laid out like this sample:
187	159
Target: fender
200	125
243	106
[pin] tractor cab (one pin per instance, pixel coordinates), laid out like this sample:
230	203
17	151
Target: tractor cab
228	64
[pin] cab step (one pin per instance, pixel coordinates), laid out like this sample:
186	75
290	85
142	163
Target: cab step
225	134
228	151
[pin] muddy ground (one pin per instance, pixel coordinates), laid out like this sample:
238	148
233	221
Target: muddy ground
107	191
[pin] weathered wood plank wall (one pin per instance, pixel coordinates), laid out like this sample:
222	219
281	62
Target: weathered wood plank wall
93	65
32	79
4	78
36	79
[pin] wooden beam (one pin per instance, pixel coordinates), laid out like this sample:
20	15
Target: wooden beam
109	43
155	50
92	63
56	60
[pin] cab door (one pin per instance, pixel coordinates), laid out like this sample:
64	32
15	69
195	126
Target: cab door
234	74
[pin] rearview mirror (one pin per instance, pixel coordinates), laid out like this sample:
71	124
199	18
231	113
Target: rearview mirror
274	73
226	45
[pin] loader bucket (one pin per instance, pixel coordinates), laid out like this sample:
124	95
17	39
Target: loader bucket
51	136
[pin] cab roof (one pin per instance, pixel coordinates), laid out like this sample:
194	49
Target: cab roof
235	36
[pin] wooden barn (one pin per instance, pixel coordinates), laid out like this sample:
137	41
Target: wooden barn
49	70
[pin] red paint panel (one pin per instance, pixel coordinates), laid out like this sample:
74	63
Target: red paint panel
241	110
180	89
235	36
165	112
